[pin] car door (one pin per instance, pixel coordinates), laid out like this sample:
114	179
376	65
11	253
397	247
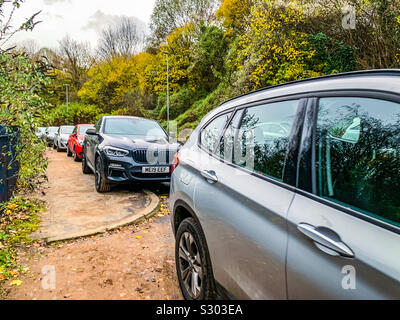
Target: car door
92	141
71	139
242	199
57	135
344	223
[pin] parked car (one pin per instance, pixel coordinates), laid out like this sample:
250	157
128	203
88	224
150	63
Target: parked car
40	132
75	141
61	137
311	214
121	149
49	135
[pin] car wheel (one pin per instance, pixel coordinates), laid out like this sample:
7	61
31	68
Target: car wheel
58	148
54	145
76	158
193	263
99	181
69	153
85	168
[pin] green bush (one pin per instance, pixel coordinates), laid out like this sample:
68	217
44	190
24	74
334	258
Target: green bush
77	113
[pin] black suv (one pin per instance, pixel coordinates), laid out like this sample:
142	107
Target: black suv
122	149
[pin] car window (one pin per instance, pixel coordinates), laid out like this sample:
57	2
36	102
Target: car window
83	129
209	137
225	150
133	126
358	155
260	144
75	130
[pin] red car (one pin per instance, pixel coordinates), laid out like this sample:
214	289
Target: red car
75	141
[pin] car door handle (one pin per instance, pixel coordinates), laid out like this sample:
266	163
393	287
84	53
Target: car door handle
327	238
210	176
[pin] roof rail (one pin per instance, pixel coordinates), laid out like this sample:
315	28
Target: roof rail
329	76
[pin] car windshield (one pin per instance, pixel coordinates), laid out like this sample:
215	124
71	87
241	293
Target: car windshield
83	129
133	126
67	130
52	129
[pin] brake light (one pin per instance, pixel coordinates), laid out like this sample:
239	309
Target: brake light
175	162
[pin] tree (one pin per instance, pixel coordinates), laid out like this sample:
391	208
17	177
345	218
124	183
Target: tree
234	15
77	60
120	39
377	28
171	14
7	30
273	49
208	58
109	82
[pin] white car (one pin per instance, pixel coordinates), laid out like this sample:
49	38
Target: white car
61	137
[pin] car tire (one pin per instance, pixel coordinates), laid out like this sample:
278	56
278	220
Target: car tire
75	156
85	168
69	153
54	145
193	262
99	180
58	148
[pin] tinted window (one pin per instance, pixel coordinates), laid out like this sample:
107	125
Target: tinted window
358	160
230	136
260	137
133	126
211	133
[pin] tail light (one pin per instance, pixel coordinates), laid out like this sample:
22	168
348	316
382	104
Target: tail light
175	162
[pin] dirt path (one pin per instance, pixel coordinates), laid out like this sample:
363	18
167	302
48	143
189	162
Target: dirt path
76	209
135	262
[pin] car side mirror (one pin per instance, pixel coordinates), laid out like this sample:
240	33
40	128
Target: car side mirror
91	132
348	130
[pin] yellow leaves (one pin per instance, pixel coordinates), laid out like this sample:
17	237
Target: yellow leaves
14	272
16	283
139	237
12	206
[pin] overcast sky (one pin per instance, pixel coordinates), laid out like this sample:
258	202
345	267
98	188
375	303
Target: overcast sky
80	19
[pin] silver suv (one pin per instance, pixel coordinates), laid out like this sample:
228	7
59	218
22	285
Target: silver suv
291	192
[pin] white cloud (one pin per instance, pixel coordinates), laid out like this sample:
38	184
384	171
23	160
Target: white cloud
100	19
51	2
80	19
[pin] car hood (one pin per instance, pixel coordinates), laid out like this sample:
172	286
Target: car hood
133	142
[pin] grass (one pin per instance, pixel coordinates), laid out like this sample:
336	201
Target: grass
18	219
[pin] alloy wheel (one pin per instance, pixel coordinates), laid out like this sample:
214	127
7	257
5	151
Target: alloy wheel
190	265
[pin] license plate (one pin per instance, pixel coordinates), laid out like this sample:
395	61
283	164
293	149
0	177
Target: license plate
155	170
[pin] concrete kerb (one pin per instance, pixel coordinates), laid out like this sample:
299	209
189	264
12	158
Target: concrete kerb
139	216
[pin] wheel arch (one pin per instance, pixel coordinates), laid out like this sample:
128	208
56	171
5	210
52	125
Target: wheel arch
181	212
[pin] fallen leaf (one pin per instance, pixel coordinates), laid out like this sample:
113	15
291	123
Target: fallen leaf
16	283
139	237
